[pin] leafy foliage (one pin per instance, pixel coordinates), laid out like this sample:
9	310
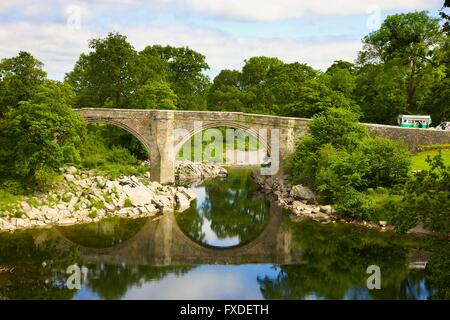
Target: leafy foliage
40	135
19	78
427	198
340	161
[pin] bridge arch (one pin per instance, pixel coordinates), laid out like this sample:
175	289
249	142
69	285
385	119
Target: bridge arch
125	127
166	243
252	132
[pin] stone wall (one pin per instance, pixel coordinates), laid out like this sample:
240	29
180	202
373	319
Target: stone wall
413	138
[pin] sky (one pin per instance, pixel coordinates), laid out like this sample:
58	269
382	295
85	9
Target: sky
226	31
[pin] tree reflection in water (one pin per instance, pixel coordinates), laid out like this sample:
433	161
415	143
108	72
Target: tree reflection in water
33	268
231	208
336	259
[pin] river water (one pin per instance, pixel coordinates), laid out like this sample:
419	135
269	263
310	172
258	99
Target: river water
232	243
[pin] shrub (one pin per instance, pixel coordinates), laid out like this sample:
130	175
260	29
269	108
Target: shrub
40	135
341	162
339	127
93	214
13	187
121	155
382	162
128	203
427	195
355	205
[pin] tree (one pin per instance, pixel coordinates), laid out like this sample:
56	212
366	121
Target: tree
154	95
341	77
19	78
380	92
226	92
408	40
40	135
256	70
184	73
106	76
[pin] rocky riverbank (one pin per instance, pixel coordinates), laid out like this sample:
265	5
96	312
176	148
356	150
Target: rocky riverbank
302	202
187	171
86	197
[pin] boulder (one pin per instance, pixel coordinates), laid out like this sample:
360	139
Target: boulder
327	209
182	200
162	202
150	208
68	221
139	195
188	193
300	192
70	178
71	170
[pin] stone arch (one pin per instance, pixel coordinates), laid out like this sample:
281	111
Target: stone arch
224	123
266	240
125	127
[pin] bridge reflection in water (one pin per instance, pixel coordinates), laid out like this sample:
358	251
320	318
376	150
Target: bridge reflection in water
161	242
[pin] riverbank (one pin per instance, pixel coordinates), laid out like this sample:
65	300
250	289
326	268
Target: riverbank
85	197
302	202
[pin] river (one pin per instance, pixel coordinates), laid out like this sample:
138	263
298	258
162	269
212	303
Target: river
232	243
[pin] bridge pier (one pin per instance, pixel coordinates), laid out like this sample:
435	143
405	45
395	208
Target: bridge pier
162	157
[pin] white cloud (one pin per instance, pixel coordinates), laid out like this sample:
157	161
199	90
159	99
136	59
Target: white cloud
6	5
54	44
226	52
59	47
275	10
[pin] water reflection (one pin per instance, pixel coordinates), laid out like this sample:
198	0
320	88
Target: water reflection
155	259
227	212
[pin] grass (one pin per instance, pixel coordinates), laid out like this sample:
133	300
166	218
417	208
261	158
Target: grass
8	201
418	160
380	197
128	203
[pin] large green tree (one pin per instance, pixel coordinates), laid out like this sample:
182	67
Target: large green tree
405	46
226	93
19	78
154	95
107	76
183	68
40	135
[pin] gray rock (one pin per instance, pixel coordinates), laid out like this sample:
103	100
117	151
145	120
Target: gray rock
327	209
162	202
300	192
182	200
70	178
71	170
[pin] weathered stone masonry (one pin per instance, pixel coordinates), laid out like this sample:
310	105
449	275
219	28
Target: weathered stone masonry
155	130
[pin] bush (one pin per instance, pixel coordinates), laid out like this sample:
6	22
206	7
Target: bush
383	162
355	205
13	187
128	203
339	127
121	155
438	274
341	162
427	195
40	135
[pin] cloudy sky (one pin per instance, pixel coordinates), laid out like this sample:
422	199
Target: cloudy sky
225	31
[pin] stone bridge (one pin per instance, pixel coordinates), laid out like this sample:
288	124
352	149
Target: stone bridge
161	242
163	132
